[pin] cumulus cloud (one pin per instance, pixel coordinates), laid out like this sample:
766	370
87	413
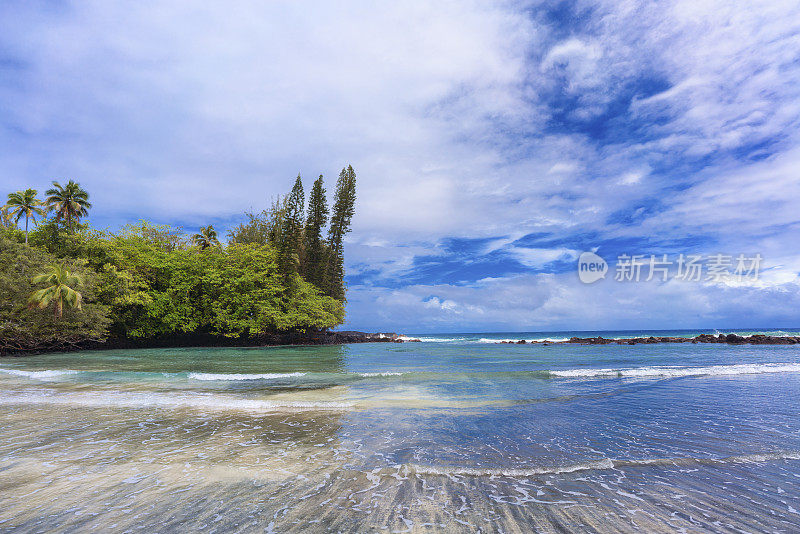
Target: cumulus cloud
493	142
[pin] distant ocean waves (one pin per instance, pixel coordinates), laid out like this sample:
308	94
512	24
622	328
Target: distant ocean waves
586	373
529	337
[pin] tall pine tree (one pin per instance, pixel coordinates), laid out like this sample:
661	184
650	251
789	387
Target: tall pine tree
343	209
291	231
313	264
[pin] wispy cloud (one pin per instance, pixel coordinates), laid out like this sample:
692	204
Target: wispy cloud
493	142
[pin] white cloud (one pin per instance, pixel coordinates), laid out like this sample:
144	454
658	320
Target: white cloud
462	119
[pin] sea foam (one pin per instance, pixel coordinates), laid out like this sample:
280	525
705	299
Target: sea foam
49	374
600	465
669	371
242	376
166	401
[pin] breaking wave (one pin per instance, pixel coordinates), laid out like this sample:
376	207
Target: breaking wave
601	465
167	401
39	375
665	371
241	376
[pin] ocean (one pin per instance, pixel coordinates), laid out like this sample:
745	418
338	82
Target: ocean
457	433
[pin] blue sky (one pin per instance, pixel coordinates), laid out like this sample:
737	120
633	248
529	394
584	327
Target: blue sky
493	142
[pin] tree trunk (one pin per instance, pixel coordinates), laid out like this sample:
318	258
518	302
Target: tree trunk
26	228
59	309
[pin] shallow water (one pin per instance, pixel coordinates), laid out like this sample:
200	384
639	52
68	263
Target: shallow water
455	436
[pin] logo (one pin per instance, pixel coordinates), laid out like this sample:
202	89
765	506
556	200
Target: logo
591	267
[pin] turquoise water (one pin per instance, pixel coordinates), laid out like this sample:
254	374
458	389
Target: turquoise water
457	433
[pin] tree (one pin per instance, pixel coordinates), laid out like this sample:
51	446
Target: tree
291	236
162	236
6	217
313	265
24	328
343	208
70	202
24	203
255	231
58	292
206	238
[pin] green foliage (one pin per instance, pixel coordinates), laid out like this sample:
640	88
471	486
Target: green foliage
314	246
291	234
162	236
276	274
247	296
236	291
343	208
255	231
23	203
6	218
69	202
206	238
55	237
60	289
23	328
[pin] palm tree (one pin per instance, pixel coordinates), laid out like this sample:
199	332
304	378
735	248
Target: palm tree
207	237
58	290
24	203
70	201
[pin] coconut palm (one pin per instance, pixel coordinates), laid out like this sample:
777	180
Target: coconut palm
207	237
58	291
70	202
24	203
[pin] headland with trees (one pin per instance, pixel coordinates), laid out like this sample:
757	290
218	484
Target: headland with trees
278	277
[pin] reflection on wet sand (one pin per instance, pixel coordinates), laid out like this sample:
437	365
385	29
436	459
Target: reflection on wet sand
103	469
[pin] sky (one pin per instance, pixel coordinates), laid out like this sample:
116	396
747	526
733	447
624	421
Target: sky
493	143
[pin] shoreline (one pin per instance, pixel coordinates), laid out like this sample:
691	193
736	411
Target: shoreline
207	340
350	337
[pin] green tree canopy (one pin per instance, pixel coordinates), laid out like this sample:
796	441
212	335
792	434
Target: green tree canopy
291	235
314	246
343	209
148	283
26	328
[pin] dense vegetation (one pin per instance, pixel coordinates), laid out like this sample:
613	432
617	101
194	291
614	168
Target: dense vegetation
65	284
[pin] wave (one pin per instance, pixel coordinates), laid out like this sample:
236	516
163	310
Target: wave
511	472
555	337
601	465
240	376
773	333
167	401
370	375
436	339
39	375
482	340
713	370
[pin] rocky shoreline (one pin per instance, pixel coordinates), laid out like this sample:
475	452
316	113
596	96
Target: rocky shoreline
205	340
350	336
730	339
